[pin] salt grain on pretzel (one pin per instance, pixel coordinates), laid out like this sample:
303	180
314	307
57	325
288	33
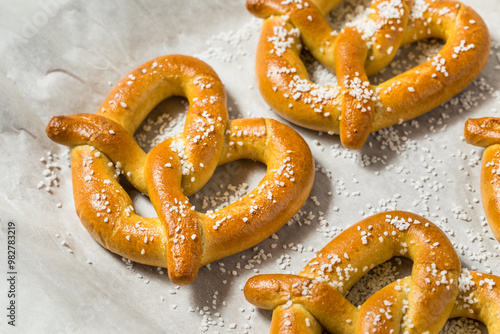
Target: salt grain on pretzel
314	299
355	108
485	132
181	238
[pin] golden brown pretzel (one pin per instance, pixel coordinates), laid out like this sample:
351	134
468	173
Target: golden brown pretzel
355	108
181	238
314	299
485	132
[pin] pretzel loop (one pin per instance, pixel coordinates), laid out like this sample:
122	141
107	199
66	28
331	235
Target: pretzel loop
420	303
354	107
181	238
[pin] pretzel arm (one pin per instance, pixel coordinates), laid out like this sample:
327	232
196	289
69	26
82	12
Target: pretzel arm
107	212
389	38
482	132
163	177
317	302
357	107
108	137
384	311
314	30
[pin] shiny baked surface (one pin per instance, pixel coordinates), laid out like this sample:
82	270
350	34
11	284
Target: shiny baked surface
354	107
181	239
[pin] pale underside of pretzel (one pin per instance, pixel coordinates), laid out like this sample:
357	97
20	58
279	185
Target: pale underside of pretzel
355	108
314	299
485	132
180	238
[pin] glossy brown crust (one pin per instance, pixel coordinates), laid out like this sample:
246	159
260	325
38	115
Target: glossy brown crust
420	303
401	98
82	129
485	132
482	132
323	303
356	116
478	298
485	291
181	238
490	187
294	319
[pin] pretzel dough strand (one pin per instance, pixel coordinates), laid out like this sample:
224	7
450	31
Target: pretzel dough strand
479	299
279	195
482	132
357	111
105	135
485	132
139	92
436	290
285	85
107	212
181	239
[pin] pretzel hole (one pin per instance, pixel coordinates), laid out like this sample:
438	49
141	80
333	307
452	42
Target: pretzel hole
317	73
347	12
463	325
228	184
164	121
377	278
142	205
408	57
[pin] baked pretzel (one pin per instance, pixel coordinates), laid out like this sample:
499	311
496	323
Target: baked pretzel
180	238
314	299
485	132
355	108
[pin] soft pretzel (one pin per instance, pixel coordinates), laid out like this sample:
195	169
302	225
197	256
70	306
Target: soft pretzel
181	238
355	108
485	132
314	299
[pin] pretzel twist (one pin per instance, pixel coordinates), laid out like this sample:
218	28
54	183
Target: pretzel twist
314	299
180	238
485	132
355	108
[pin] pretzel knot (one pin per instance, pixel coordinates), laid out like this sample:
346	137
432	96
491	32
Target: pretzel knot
437	290
180	238
355	108
485	132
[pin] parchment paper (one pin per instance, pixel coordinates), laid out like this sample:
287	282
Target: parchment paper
64	56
